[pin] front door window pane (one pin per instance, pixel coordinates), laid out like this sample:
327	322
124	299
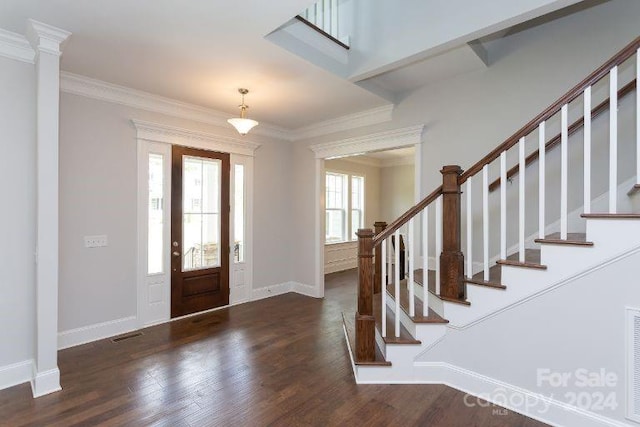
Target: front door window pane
201	213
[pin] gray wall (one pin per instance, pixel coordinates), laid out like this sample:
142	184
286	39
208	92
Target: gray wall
98	196
17	216
397	191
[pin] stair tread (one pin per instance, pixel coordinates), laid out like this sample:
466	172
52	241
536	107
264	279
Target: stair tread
531	259
432	317
577	239
405	336
418	277
611	216
348	319
634	190
495	278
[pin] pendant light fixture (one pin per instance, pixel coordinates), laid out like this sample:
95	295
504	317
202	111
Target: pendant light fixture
242	124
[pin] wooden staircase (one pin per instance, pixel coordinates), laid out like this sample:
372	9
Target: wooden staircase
400	317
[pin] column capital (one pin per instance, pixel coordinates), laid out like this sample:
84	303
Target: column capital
45	38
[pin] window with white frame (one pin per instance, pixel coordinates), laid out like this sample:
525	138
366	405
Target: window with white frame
344	197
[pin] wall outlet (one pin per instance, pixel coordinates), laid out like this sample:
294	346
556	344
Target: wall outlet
95	241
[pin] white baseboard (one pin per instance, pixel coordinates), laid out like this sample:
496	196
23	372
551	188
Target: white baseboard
90	333
283	288
45	382
270	291
303	289
16	373
526	402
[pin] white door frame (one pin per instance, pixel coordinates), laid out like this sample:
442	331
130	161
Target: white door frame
387	140
158	138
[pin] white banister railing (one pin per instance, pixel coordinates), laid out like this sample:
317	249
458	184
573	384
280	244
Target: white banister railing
587	151
438	242
396	282
469	253
542	158
503	205
383	289
564	172
485	221
325	16
410	263
522	198
425	261
613	140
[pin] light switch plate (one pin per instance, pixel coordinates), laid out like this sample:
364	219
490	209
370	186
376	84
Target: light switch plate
95	241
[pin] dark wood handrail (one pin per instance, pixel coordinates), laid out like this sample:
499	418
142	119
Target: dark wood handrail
395	225
321	31
572	94
575	126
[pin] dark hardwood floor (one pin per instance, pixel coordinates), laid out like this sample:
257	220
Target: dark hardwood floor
279	361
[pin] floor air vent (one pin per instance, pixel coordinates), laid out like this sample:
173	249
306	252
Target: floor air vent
633	364
126	337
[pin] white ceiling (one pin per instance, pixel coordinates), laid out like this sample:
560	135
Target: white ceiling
198	51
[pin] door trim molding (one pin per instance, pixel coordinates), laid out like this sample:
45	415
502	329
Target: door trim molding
149	134
397	138
155	132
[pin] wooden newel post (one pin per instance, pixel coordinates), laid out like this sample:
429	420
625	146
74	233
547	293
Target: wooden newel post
452	258
378	279
365	322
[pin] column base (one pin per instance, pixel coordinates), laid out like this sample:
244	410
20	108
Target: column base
45	382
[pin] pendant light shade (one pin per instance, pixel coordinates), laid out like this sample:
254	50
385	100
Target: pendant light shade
242	124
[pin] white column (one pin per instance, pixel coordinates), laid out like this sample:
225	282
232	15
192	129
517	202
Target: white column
46	41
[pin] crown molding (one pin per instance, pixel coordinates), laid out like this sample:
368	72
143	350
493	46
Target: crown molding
16	46
46	38
397	138
350	121
156	132
97	89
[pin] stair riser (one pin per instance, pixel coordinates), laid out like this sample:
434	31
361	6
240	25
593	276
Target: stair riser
425	332
613	235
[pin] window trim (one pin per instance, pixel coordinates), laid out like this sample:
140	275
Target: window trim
347	238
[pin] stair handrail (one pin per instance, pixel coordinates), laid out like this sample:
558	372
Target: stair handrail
550	111
575	126
405	217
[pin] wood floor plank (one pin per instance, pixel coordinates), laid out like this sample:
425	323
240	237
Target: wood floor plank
281	361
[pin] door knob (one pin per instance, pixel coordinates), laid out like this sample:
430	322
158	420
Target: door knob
176	254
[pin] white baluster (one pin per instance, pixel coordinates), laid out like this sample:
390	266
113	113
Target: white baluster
320	14
613	140
503	205
327	16
384	287
334	18
438	241
542	147
521	198
485	221
638	117
411	283
469	231
425	261
564	173
396	281
587	150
